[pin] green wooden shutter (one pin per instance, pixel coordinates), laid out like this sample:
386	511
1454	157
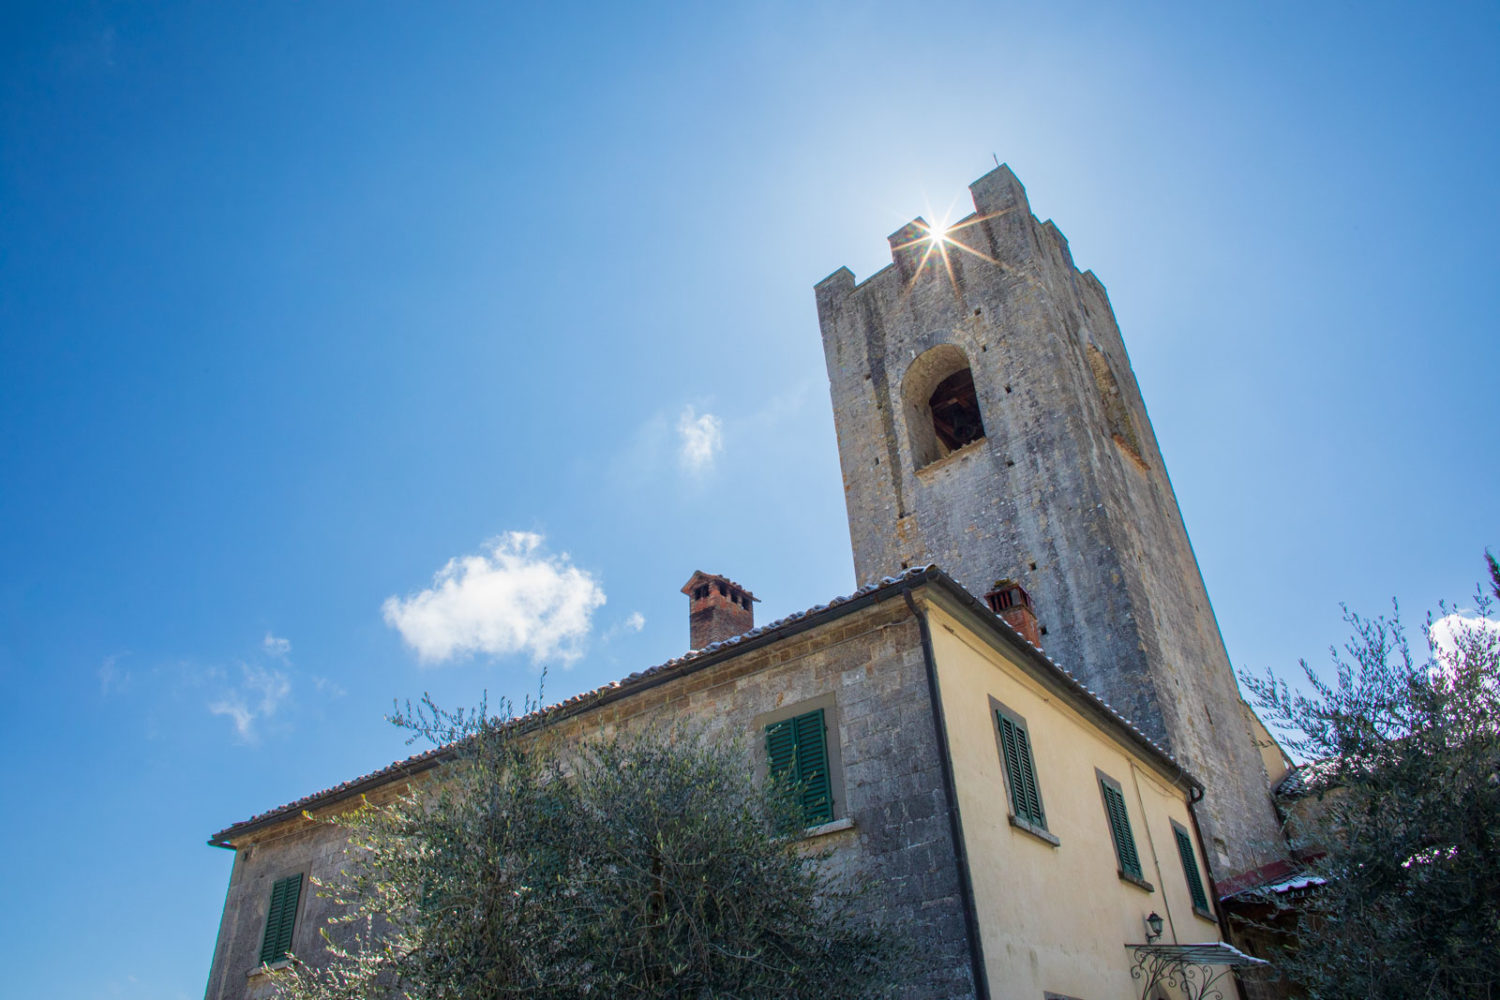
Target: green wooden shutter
812	767
280	919
797	750
1190	868
781	749
1020	771
1012	762
1028	768
1119	829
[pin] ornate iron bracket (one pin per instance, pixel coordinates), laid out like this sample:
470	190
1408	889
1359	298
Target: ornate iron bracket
1199	972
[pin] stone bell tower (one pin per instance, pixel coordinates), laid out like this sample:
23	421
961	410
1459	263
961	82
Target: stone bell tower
989	422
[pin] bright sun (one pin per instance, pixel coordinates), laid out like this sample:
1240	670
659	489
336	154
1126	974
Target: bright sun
934	239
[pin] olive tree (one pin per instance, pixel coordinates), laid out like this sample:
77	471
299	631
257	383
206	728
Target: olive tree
1401	815
648	865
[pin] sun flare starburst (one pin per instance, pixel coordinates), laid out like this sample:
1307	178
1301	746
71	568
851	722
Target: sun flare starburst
935	238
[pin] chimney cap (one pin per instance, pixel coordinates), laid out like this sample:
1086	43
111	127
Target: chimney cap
1006	594
699	577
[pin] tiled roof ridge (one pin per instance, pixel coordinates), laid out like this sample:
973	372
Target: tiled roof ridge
430	758
424	760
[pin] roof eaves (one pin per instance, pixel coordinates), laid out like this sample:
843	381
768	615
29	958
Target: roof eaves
999	626
694	660
698	659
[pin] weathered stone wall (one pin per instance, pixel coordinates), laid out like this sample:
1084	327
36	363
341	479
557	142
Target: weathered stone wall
869	660
297	846
1066	493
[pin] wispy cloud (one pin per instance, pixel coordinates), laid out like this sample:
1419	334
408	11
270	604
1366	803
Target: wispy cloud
789	406
638	461
633	622
259	693
512	597
700	440
112	679
328	686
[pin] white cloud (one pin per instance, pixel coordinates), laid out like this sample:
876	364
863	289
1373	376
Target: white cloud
1445	632
261	691
635	621
277	647
700	439
512	598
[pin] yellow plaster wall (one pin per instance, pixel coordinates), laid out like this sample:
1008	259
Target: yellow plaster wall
1276	762
1056	918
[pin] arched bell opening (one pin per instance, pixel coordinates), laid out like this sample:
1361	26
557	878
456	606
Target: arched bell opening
941	404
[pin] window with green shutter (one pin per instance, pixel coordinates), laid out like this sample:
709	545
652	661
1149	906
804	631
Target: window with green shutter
281	918
1020	770
1119	828
1190	869
797	750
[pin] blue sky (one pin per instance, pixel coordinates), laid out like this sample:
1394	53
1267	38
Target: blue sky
301	301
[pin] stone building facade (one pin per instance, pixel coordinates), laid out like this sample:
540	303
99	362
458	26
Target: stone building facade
1020	830
1008	886
989	422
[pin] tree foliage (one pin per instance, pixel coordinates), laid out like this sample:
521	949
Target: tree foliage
630	866
1401	813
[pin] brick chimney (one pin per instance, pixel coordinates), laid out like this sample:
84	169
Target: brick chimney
718	608
1010	601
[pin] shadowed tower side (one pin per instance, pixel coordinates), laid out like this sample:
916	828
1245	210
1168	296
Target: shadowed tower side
989	421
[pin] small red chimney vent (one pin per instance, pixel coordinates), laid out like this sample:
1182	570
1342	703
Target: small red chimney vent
1010	601
718	609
